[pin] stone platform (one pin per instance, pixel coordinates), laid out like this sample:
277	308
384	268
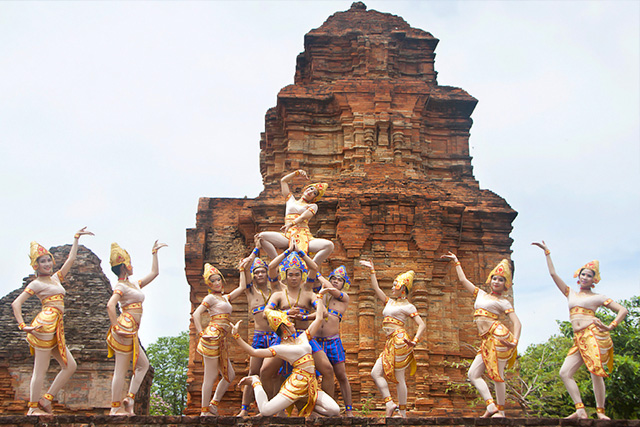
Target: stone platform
174	421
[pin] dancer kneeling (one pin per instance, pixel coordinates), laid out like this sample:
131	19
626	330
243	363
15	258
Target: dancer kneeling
302	382
498	345
398	350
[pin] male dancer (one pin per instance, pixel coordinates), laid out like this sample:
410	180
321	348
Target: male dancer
258	293
297	303
328	336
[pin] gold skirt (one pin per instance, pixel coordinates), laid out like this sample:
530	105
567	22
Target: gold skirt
595	347
300	232
124	345
214	345
493	351
301	384
397	355
50	334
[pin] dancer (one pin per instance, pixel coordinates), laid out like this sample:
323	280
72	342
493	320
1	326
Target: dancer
298	304
45	335
258	293
122	338
213	340
296	221
498	344
336	301
592	343
398	349
302	383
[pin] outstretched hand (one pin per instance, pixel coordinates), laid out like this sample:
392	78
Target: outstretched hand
450	255
542	245
368	264
83	231
234	328
303	174
157	246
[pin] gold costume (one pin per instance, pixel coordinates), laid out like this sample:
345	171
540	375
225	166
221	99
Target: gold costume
49	321
300	232
126	323
213	343
300	384
493	351
396	354
595	347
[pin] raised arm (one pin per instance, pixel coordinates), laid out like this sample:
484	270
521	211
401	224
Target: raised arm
337	294
74	251
311	264
320	312
242	286
284	181
374	281
466	283
246	263
552	270
154	265
261	352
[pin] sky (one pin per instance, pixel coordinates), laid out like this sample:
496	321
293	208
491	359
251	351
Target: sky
119	116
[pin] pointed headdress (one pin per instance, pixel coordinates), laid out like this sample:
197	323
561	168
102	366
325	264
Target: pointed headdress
341	272
320	187
258	263
119	256
503	269
406	279
36	250
293	261
593	266
210	270
277	318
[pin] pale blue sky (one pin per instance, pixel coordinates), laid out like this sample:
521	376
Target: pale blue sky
120	115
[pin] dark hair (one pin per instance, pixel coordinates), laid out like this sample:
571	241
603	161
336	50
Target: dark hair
117	269
280	330
586	268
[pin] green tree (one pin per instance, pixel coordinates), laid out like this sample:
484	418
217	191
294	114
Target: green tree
540	391
169	357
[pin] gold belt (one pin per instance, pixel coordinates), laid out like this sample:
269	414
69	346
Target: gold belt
582	310
304	359
486	313
57	297
392	320
132	306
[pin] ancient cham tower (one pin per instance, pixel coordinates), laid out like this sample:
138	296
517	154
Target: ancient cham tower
367	115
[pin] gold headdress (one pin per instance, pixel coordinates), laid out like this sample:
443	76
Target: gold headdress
593	266
36	251
119	256
210	270
503	269
277	318
320	187
406	279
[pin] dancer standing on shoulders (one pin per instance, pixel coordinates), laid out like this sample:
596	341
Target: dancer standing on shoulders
213	339
302	382
498	344
336	300
122	338
398	349
45	335
592	343
258	293
296	222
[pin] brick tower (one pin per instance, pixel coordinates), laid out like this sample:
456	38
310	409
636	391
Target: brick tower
367	115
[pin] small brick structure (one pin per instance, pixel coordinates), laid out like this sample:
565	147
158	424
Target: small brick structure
366	115
86	323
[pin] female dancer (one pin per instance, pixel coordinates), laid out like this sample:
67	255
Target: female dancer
122	338
592	343
45	335
498	344
296	350
296	221
398	349
213	339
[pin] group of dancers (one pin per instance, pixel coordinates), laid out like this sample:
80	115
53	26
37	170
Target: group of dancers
297	314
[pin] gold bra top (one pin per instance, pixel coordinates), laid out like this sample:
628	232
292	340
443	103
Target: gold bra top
485	313
392	320
53	298
221	318
304	359
581	310
132	306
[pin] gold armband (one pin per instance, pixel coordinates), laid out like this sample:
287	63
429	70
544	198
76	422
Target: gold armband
256	384
457	263
236	336
547	252
22	325
77	236
613	324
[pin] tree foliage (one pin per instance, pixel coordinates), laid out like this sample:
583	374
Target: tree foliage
169	357
540	391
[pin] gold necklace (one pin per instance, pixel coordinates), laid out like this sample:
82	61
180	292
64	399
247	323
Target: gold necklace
262	293
286	293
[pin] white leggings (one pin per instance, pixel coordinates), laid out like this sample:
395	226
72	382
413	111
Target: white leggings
122	366
211	370
476	370
381	382
325	405
40	367
568	370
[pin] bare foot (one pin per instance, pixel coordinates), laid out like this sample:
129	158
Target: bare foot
243	413
498	414
348	414
602	416
45	405
492	409
127	404
118	411
579	414
391	408
36	411
206	414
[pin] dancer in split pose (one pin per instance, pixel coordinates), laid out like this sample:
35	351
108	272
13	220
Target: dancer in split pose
498	343
398	349
592	344
298	303
336	300
296	350
45	335
258	292
213	339
296	221
122	338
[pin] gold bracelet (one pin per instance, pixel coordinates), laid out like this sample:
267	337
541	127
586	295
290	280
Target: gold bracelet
613	324
256	384
236	336
154	251
22	325
546	252
77	235
373	271
457	263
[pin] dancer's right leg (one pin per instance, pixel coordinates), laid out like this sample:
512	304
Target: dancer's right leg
210	375
570	366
